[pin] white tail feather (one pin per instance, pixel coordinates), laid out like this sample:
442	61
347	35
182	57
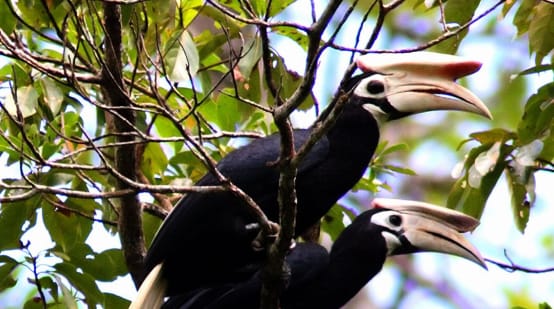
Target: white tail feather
152	291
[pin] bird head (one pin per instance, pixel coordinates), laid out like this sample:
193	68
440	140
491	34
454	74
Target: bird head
410	226
393	86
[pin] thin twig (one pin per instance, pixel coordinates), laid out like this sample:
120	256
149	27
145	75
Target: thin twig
512	267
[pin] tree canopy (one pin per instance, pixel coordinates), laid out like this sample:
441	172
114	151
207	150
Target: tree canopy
111	110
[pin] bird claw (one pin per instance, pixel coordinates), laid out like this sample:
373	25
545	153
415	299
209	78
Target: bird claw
260	242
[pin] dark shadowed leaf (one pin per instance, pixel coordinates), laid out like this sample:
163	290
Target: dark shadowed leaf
7	266
115	302
13	218
81	281
154	162
59	221
538	120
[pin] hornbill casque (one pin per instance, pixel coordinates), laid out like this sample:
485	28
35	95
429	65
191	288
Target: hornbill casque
328	280
207	238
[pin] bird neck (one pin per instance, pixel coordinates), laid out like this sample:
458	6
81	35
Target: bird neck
357	256
356	132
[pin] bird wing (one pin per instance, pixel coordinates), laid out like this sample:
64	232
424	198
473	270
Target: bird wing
215	223
257	161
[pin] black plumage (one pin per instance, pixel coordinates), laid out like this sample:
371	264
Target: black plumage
207	239
327	281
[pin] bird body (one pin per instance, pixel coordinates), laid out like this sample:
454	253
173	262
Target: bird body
207	239
215	224
327	281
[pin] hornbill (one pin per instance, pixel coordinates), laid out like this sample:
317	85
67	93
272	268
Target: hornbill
207	238
322	280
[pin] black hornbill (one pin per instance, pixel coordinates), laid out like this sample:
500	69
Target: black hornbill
207	238
321	280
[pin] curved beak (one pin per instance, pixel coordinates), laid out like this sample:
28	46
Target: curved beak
427	227
425	81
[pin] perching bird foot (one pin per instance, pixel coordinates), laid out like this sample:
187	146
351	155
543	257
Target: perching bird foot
262	241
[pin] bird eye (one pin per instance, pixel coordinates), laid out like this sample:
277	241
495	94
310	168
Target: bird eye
395	220
375	87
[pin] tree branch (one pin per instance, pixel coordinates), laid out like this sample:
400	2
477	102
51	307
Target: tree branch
130	219
512	267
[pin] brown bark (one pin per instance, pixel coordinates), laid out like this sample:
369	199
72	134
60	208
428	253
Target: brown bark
130	220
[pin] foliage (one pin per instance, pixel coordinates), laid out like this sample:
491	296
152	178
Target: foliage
202	78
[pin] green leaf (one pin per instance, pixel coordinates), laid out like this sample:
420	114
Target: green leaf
52	95
333	223
106	265
13	217
154	161
393	148
544	305
471	191
252	54
68	299
7	266
541	30
399	169
81	281
537	69
59	221
150	225
47	283
524	16
8	20
457	12
492	136
519	186
182	57
26	102
113	301
538	121
295	35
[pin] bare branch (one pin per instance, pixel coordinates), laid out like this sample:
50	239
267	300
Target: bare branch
426	45
512	267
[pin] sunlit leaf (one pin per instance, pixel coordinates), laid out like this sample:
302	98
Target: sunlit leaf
470	198
399	169
541	30
52	95
67	297
295	35
25	104
333	222
492	136
457	12
8	21
252	54
182	58
524	16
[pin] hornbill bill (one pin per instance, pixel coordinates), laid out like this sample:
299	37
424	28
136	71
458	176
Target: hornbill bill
322	280
207	238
